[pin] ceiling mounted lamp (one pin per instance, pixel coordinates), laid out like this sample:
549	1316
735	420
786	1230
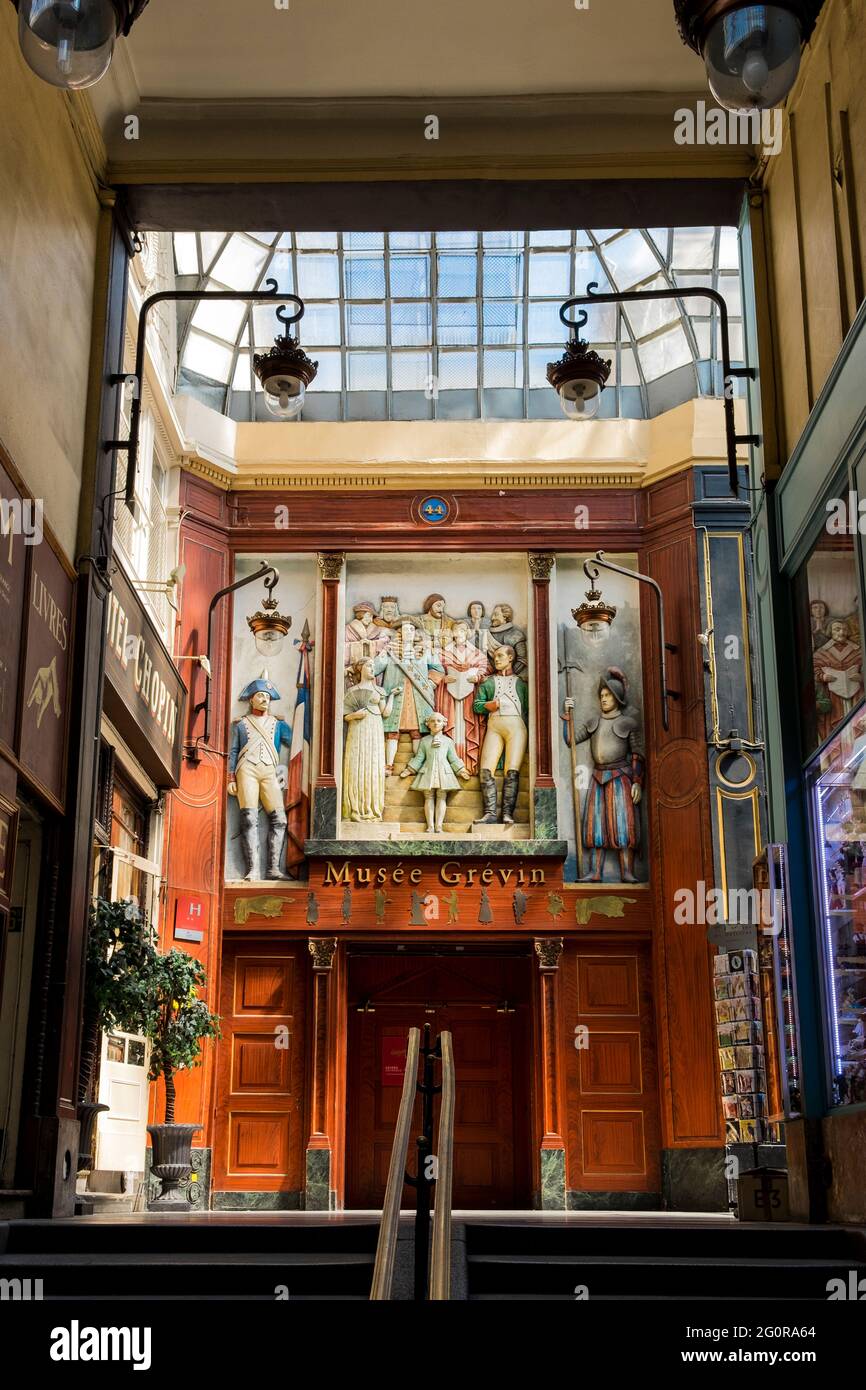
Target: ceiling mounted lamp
70	43
751	52
579	376
286	371
269	626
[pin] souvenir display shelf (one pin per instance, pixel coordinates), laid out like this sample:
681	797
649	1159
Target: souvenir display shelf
837	786
778	989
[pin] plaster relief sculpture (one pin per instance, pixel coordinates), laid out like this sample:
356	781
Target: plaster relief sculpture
503	631
363	636
257	777
610	816
439	662
406	667
465	666
365	710
389	616
504	698
437	765
434	620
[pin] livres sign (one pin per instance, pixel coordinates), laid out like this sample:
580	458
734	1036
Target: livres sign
144	694
45	693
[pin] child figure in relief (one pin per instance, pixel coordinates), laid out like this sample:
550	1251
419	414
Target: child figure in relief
435	763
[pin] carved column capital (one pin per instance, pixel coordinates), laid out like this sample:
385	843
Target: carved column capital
548	949
331	563
323	950
541	566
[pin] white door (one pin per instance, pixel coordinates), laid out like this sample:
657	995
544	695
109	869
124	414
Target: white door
123	1086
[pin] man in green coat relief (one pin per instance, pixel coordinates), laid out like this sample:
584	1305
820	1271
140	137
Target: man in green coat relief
504	698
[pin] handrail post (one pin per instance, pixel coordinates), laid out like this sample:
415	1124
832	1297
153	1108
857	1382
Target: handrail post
423	1182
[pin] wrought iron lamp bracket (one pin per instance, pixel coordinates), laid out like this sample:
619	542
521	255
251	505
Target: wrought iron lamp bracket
591	570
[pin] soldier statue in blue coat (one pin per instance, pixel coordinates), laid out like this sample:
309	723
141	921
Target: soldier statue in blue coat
255	773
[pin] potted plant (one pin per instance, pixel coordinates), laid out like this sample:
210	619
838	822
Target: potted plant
177	1021
120	949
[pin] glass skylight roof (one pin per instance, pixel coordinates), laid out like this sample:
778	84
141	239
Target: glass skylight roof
456	325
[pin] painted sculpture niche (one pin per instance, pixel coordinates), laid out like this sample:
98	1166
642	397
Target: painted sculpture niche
452	711
610	817
257	777
602	762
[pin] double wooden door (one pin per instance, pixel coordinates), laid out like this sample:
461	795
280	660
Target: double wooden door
483	1003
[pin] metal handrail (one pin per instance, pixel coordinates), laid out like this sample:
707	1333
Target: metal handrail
440	1256
386	1248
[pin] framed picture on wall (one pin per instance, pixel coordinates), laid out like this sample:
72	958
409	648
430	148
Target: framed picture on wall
828	626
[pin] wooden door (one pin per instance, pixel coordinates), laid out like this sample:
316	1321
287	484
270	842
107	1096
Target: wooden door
258	1140
613	1132
491	1123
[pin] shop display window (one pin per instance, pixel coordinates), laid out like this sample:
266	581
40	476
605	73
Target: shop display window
837	785
828	630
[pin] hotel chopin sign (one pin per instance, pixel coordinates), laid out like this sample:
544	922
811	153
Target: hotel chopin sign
144	694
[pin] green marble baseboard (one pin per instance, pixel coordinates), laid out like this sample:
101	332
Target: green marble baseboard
613	1201
466	848
256	1201
552	1196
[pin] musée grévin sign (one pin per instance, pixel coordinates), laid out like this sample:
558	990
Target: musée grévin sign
144	694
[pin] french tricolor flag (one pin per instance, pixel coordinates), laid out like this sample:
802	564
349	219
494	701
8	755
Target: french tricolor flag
298	794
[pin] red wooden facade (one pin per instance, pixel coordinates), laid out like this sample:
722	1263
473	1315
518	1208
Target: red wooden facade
342	991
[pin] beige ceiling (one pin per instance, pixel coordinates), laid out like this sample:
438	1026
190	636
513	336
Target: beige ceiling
229	49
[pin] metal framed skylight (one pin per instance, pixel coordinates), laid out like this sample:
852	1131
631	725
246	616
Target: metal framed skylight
457	325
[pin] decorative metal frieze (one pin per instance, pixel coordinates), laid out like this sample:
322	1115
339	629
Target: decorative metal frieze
604	906
331	564
549	949
323	949
244	908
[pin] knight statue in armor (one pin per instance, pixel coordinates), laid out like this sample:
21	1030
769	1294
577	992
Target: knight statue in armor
611	819
256	775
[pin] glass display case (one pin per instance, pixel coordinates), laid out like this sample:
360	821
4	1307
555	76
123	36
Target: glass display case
778	987
837	793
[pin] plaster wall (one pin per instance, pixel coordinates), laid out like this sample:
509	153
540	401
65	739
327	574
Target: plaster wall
48	230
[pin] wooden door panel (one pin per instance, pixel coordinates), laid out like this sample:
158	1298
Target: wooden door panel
258	1140
612	1065
613	1129
607	985
257	1065
613	1143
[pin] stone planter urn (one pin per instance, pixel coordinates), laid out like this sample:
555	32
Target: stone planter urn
172	1164
87	1112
